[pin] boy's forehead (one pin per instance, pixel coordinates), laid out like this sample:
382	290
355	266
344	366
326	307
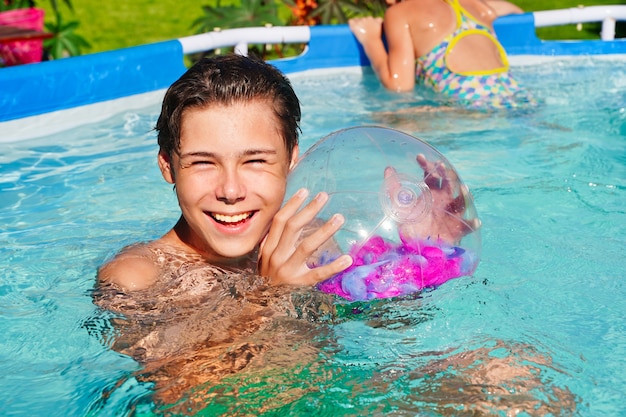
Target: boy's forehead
231	128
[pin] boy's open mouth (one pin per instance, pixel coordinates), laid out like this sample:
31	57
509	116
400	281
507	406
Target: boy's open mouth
231	220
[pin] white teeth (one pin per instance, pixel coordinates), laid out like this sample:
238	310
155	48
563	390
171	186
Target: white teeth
231	219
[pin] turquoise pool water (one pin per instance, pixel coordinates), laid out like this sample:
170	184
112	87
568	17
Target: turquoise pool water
549	185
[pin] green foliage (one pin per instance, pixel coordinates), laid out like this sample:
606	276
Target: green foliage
374	7
339	11
55	5
15	4
250	13
65	42
333	11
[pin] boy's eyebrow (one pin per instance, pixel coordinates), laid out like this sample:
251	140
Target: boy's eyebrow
249	152
252	152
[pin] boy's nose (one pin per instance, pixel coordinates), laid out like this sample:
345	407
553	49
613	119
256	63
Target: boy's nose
231	189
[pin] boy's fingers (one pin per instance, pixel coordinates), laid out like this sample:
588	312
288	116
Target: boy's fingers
320	236
284	245
294	225
279	221
322	273
292	259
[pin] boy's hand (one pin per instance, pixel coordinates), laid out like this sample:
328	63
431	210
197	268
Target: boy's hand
283	255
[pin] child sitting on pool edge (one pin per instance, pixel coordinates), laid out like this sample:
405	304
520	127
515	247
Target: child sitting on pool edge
448	45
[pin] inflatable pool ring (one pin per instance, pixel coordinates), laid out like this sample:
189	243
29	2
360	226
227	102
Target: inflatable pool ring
410	222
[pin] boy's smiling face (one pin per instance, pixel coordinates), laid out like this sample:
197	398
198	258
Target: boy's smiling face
230	175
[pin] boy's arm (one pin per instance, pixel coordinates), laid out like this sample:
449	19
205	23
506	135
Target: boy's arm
131	270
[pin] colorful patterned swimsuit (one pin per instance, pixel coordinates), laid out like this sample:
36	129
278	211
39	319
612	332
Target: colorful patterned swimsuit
475	89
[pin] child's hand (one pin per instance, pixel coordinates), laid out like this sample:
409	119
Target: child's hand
445	220
283	255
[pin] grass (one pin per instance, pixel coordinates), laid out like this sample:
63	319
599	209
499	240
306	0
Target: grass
111	25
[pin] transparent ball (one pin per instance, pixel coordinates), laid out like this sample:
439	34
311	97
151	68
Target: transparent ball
410	222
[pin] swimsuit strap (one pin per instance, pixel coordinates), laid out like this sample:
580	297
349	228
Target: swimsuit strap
464	22
458	12
468	25
465	18
501	51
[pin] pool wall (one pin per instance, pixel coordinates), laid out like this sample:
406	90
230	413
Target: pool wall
48	87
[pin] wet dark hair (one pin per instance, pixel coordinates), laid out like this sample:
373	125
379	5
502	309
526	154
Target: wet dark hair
224	80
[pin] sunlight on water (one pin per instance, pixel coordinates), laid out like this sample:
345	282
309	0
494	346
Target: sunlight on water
543	313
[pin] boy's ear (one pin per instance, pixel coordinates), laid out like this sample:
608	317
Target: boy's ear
165	165
294	157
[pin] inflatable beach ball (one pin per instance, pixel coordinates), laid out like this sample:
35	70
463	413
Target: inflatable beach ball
410	221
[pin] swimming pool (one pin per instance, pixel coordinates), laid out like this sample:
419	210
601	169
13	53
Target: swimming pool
548	185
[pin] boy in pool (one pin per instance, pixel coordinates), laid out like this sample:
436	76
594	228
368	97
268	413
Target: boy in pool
228	136
448	45
204	293
224	277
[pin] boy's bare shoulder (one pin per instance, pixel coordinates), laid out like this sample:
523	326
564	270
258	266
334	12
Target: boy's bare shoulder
134	268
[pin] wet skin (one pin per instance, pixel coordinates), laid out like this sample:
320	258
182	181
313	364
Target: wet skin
230	174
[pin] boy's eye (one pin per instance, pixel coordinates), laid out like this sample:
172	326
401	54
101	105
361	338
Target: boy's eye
256	161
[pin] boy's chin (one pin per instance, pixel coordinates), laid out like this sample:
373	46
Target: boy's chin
239	254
